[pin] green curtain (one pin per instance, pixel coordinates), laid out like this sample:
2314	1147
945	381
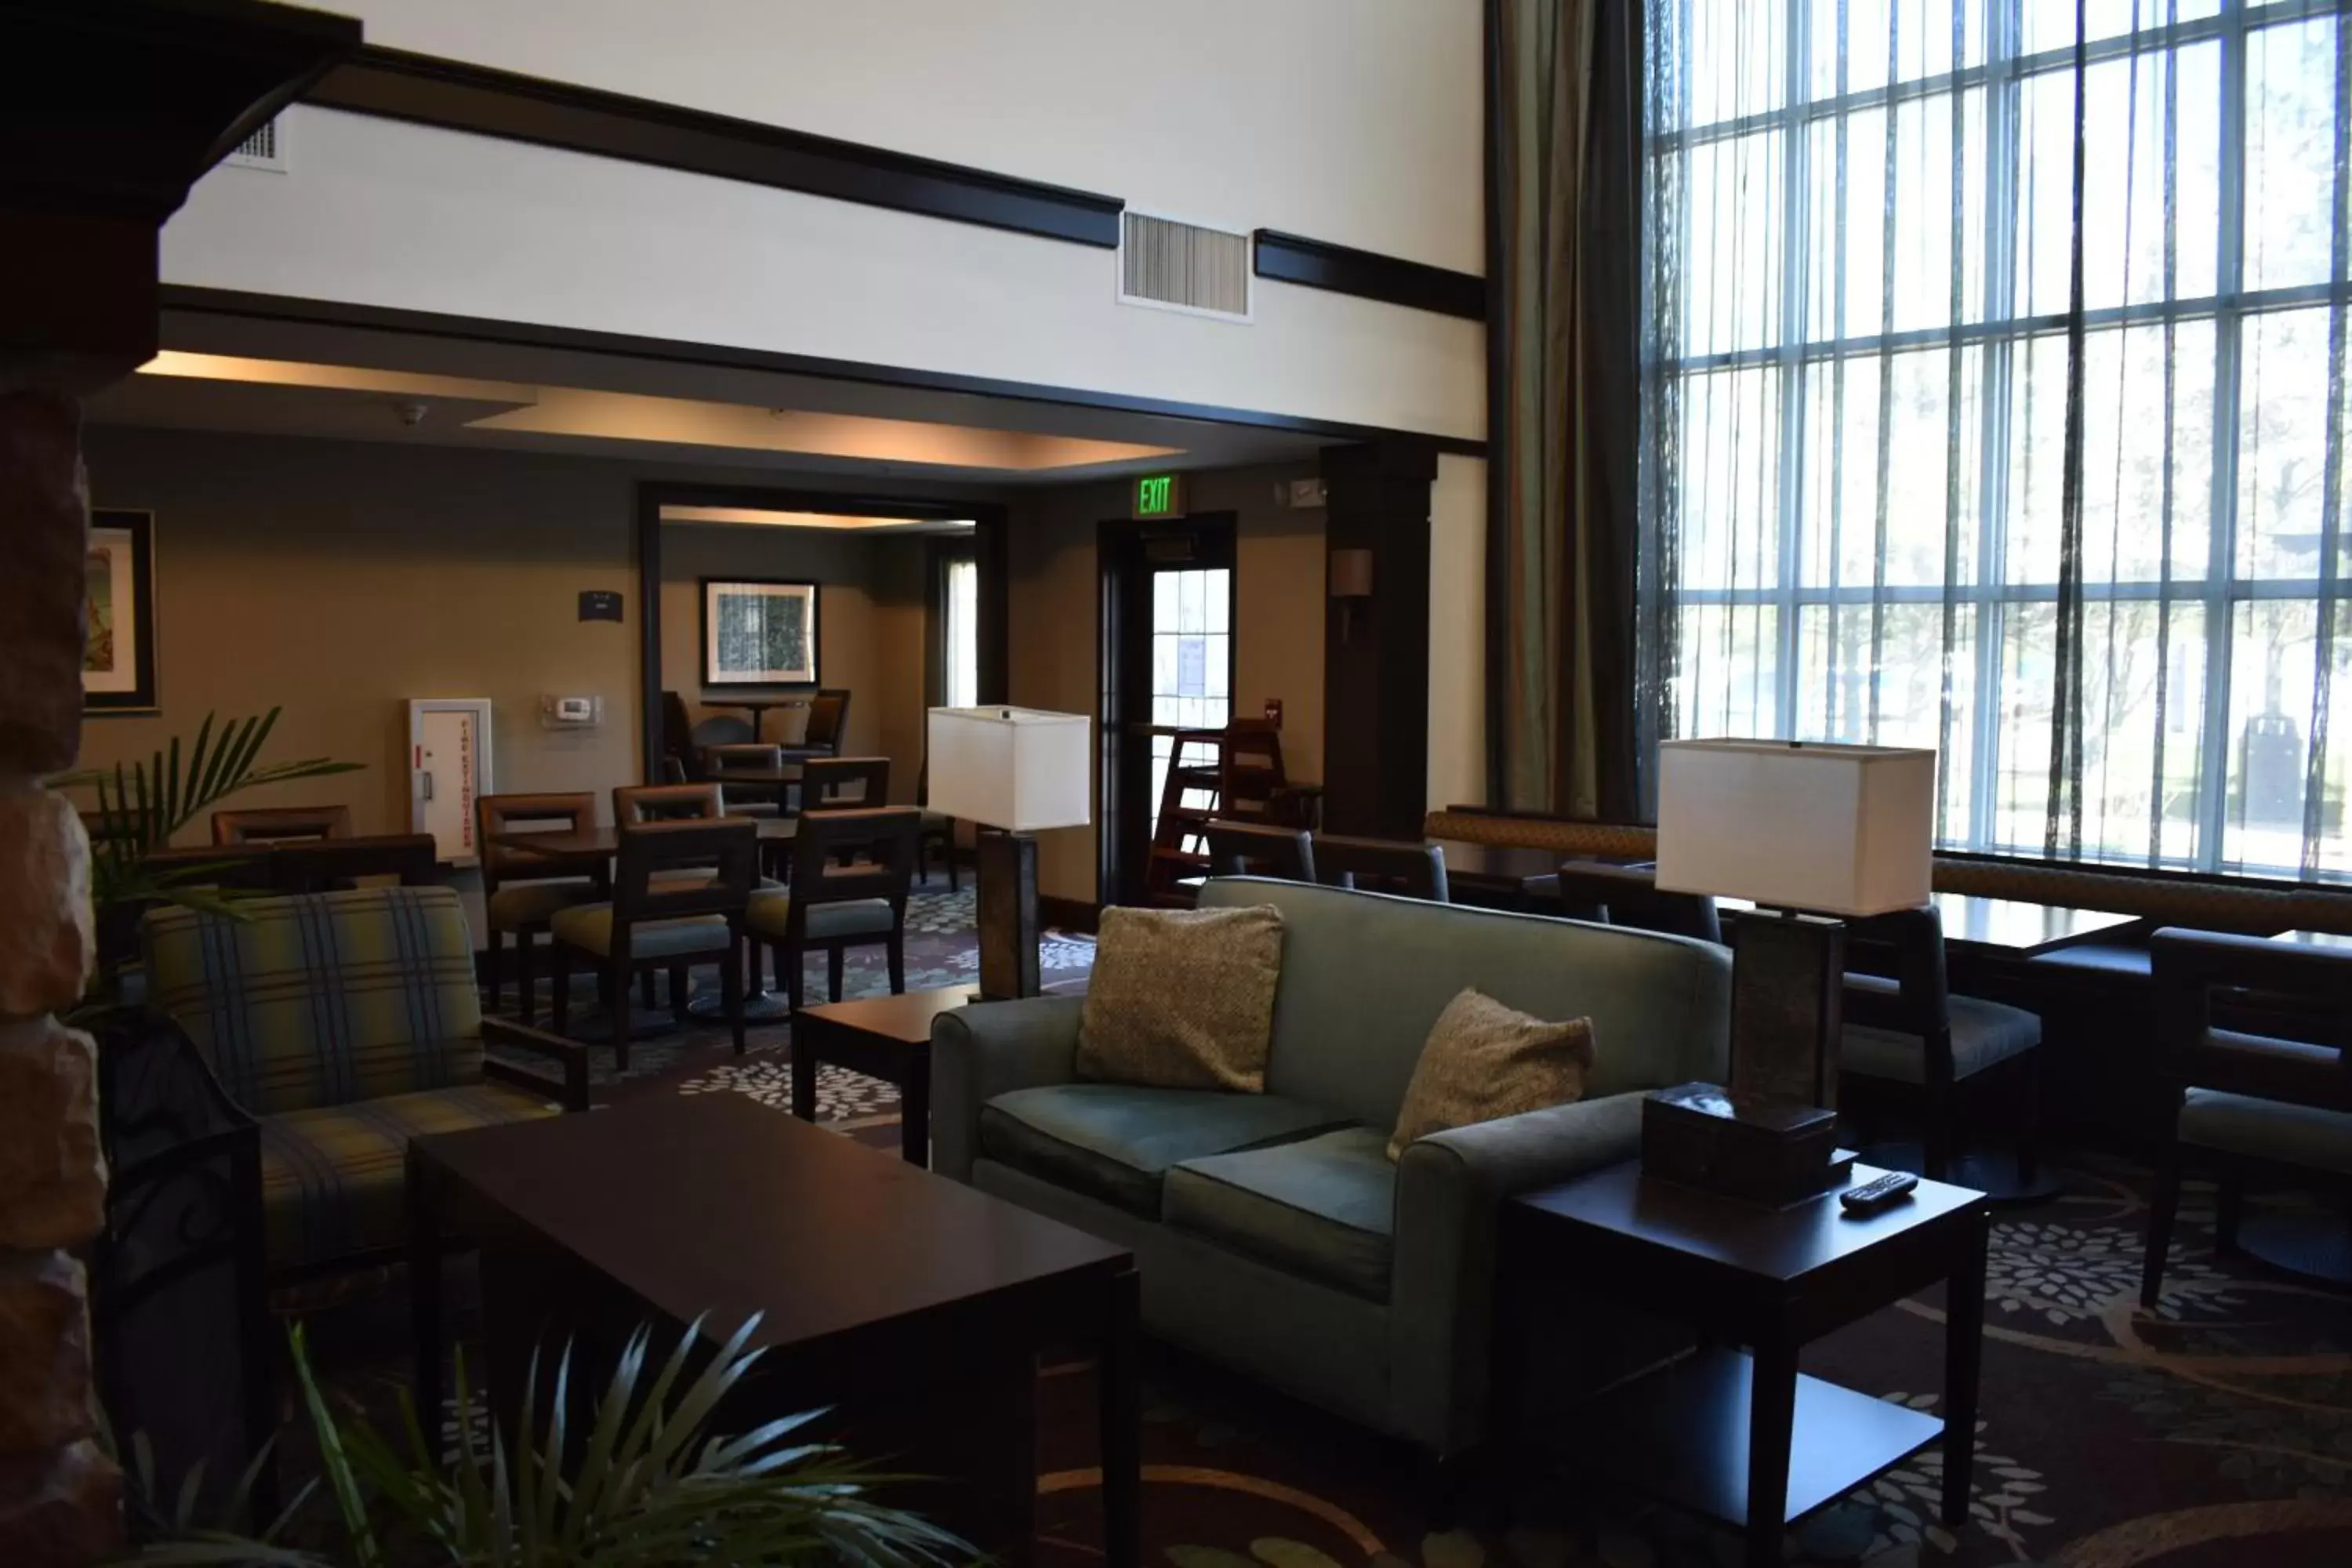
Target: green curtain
1563	306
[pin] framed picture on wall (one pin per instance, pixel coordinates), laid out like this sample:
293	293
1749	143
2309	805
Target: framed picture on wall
118	661
758	632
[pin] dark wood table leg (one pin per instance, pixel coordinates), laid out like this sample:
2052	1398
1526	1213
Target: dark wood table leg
1123	1436
804	1049
1963	1350
1771	1430
425	1297
915	1108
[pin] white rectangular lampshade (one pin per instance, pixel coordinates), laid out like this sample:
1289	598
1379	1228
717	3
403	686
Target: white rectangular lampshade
1841	830
1020	769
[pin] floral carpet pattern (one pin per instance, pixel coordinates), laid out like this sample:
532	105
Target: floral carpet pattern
2213	1433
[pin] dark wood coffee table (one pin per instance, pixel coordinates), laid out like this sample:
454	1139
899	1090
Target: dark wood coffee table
1740	1436
915	1308
887	1038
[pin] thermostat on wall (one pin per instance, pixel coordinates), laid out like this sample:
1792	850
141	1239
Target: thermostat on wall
570	712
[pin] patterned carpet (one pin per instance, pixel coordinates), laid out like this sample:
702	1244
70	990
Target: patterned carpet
2214	1434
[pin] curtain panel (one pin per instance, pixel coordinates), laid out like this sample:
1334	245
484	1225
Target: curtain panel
1563	161
1994	400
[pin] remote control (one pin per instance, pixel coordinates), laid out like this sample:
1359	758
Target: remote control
1871	1196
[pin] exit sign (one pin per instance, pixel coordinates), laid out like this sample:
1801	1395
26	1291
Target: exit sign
1159	495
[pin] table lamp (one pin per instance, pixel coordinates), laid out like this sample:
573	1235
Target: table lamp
1015	772
1806	830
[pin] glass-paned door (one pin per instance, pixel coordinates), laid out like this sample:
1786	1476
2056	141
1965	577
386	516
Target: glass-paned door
1167	666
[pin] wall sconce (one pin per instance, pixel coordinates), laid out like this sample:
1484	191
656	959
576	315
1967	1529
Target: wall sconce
1351	584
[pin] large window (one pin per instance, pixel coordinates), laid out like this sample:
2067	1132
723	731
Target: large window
1950	442
960	633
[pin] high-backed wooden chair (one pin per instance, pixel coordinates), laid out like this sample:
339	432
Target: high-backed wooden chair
677	739
828	782
520	890
2248	1105
1259	849
656	923
1382	866
749	775
939	833
1904	1026
666	803
828	725
269	824
1629	896
851	870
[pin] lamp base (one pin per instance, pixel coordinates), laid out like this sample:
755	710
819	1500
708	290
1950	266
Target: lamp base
1007	913
1788	989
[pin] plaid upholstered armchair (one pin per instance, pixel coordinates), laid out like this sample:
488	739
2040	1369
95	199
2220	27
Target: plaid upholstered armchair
347	1023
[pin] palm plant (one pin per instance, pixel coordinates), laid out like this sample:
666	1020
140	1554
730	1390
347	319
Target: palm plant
142	806
648	1486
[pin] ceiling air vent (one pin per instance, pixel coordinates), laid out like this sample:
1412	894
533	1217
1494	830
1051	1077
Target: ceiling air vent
1184	266
265	149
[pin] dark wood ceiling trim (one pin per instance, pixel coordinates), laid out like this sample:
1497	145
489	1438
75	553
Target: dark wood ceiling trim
190	298
1294	258
455	95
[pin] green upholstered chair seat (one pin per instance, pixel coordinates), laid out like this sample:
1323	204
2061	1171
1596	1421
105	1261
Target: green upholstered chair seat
1115	1141
519	904
2273	1129
771	912
588	927
323	999
333	1179
1324	1208
1983	1033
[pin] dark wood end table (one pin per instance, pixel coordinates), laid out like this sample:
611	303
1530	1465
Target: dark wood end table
1743	1436
888	1037
914	1309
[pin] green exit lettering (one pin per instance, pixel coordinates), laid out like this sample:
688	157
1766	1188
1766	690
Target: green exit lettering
1153	495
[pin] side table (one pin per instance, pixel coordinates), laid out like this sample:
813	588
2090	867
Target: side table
887	1038
1743	1436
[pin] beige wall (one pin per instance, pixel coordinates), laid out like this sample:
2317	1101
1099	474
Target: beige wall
1457	633
870	608
1278	624
338	580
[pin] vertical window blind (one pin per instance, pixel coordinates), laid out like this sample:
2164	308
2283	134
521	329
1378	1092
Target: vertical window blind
1994	400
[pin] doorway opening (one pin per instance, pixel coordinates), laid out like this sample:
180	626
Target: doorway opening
1167	665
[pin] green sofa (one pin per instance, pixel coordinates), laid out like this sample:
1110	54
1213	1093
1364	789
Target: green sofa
1271	1230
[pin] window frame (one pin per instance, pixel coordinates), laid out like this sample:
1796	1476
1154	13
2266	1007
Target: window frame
1984	592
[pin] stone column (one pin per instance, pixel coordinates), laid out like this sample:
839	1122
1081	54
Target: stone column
60	1498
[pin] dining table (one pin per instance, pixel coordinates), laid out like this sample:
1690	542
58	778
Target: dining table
1512	875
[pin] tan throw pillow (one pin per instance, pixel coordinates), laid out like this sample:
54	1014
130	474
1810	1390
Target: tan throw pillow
1483	1060
1183	998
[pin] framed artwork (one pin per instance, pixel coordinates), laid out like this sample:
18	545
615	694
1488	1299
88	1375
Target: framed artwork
758	632
118	661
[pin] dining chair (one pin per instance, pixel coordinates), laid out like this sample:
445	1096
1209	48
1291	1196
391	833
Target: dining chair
1903	1026
826	783
939	832
2248	1105
1259	849
269	824
1629	896
677	739
666	803
1382	866
758	795
851	870
828	724
660	919
520	890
